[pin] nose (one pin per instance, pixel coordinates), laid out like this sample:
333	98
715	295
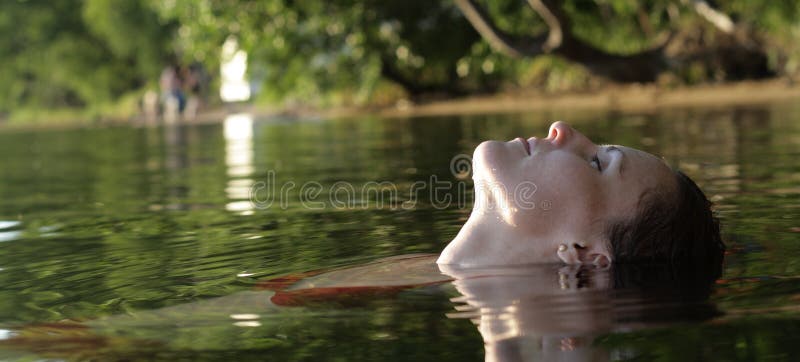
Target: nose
562	134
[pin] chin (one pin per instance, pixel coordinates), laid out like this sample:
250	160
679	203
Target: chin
488	155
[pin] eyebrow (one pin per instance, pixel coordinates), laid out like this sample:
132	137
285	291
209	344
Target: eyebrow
622	159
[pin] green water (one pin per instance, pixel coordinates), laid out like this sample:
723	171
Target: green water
140	243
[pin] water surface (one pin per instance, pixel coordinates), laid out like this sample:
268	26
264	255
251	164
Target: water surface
134	243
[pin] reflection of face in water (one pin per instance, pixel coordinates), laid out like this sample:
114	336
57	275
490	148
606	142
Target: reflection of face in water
555	312
542	312
533	195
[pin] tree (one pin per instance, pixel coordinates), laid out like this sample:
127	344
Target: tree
62	54
736	53
93	52
313	49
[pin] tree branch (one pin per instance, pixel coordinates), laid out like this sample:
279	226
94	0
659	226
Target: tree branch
554	19
500	41
640	67
644	66
717	18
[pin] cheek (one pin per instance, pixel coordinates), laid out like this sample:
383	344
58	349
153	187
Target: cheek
565	190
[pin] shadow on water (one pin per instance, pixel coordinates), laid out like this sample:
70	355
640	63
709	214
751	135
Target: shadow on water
143	243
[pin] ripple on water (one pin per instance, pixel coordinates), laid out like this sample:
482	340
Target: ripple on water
8	224
7	232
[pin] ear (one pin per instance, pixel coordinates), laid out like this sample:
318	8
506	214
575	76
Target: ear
595	253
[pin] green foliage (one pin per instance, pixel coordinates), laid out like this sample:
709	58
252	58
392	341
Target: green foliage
76	54
778	20
306	51
89	53
132	32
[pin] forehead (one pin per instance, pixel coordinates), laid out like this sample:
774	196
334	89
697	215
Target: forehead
643	171
643	161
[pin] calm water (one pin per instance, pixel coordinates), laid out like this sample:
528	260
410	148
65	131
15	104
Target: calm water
135	243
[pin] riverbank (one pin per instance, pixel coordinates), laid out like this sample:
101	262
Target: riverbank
621	98
630	98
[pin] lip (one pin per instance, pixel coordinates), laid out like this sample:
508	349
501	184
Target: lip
532	144
525	144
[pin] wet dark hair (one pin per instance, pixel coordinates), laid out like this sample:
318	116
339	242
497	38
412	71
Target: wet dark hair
676	227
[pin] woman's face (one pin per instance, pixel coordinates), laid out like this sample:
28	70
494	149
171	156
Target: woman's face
540	193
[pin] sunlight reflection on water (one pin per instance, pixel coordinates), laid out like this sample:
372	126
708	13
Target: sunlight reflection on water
238	131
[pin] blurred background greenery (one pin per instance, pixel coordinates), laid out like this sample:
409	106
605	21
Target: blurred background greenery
99	57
